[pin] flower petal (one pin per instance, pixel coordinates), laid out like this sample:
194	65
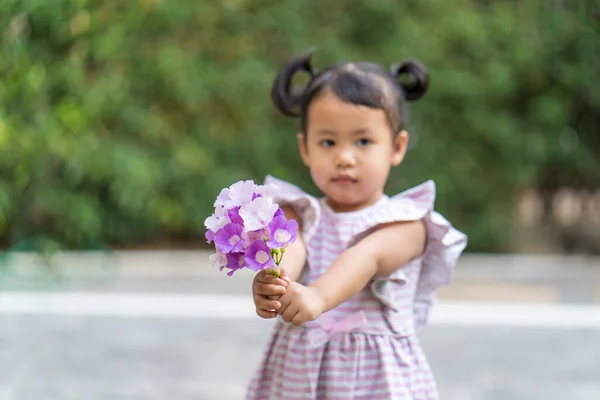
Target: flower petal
282	232
210	236
268	191
222	198
229	238
241	193
258	256
258	213
217	220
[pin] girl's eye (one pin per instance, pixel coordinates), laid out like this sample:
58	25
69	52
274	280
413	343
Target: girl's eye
327	143
364	142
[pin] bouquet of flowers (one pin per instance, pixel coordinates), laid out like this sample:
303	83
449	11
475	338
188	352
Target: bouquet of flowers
248	229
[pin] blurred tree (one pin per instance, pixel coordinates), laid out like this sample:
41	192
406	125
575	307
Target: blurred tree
121	121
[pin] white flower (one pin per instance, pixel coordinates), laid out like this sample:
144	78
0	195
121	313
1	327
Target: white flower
218	259
240	193
258	213
217	220
268	191
222	198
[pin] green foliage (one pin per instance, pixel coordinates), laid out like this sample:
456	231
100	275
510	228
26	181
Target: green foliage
120	121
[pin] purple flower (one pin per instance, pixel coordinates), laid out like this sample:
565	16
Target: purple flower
234	216
229	238
210	236
247	228
281	232
235	261
252	236
279	213
258	214
258	256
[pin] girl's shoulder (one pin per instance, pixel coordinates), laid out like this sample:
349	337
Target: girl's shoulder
410	205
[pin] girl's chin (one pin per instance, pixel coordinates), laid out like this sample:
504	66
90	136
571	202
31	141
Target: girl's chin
344	204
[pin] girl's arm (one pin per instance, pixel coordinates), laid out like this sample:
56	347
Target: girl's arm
294	258
377	255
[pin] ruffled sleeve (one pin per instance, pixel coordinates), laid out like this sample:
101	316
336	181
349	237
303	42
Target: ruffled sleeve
306	206
431	270
444	246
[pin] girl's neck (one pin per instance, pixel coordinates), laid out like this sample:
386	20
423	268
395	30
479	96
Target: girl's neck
337	208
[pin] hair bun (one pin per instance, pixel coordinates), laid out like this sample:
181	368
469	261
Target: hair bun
418	78
286	99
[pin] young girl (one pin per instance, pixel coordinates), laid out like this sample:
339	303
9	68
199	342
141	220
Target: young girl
359	281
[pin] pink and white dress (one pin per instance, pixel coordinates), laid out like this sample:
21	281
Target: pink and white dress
365	348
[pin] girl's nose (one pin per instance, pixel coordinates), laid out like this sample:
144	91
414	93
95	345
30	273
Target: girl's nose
345	158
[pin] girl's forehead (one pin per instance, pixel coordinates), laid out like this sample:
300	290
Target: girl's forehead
329	112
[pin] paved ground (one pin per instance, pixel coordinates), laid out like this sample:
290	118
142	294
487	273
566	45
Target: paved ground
107	358
100	350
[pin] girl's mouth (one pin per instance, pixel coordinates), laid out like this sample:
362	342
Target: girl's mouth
344	179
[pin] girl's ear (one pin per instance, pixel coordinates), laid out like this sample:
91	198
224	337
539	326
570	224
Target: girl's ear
302	148
399	148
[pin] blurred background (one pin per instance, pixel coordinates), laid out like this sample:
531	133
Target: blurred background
120	122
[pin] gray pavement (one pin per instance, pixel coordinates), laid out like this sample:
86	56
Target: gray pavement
59	358
103	358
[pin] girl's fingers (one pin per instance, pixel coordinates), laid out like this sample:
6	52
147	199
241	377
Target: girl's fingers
299	319
283	305
289	314
276	281
268	289
265	278
283	275
265	304
266	314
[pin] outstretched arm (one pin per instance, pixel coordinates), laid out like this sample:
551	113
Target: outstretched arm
295	254
377	255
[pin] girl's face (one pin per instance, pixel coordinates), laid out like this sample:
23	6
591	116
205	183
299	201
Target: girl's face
349	151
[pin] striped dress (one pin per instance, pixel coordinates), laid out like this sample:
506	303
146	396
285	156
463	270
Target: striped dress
366	348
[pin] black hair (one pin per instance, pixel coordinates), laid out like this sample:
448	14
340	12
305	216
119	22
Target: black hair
361	83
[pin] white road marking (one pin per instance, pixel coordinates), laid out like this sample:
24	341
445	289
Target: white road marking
163	305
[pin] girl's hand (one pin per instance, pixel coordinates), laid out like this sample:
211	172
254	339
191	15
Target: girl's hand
266	290
301	304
